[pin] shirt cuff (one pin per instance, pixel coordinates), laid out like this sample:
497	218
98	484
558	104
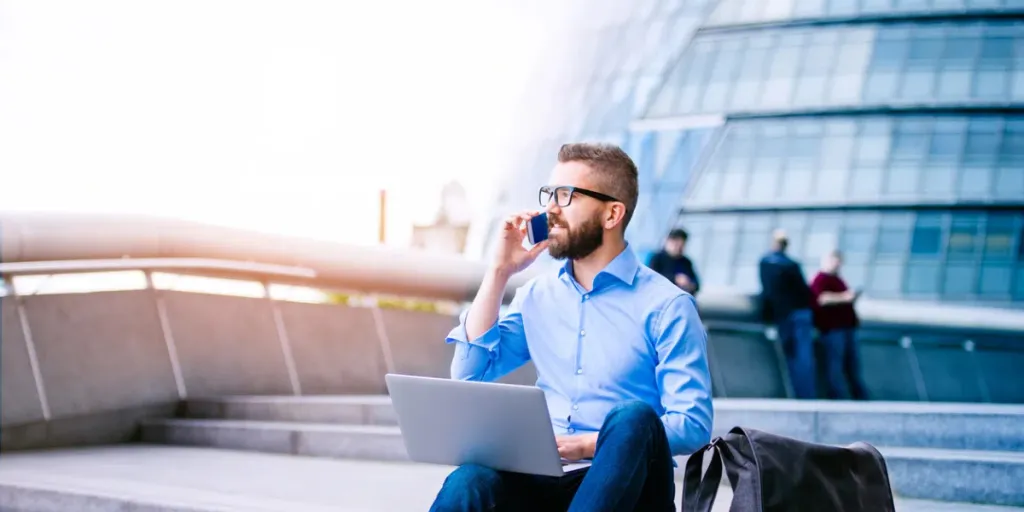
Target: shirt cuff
488	340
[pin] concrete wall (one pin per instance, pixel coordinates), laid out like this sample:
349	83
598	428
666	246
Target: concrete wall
105	358
19	400
336	348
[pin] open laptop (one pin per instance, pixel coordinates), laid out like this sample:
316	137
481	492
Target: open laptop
500	426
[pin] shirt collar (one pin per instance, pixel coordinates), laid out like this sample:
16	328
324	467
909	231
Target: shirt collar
623	267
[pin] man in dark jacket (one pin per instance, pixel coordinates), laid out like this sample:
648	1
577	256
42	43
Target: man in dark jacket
787	300
671	263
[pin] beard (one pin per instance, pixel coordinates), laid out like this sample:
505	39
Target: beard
576	243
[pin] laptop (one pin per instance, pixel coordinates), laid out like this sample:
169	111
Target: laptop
500	426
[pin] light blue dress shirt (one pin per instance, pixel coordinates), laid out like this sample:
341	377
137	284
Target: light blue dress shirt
635	336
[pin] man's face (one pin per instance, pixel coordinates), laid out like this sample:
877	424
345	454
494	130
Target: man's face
675	246
831	263
577	230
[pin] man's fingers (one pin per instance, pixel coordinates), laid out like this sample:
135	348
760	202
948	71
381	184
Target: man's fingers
536	249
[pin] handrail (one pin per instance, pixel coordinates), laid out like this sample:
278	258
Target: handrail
29	237
72	266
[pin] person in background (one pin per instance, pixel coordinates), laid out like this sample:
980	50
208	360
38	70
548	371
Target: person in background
676	267
786	302
837	322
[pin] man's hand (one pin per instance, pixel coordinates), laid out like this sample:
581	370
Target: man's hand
684	282
511	257
574	448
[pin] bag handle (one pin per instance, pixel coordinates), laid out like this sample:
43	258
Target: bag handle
699	494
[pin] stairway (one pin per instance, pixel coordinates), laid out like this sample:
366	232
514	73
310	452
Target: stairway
949	452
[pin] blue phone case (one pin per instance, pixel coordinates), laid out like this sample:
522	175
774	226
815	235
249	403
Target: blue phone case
537	229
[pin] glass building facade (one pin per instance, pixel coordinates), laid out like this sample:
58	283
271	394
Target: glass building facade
892	130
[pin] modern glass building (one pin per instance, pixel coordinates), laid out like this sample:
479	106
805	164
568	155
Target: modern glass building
890	129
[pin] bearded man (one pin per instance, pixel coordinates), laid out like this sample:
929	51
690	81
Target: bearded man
620	351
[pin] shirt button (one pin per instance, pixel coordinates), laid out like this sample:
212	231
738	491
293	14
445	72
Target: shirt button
575	407
583	333
579	371
571	430
585	297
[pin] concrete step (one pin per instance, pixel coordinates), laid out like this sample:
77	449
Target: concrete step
346	409
922	425
903	424
360	442
990	477
144	478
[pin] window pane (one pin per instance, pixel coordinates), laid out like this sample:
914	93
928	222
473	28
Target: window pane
939	181
734	184
922	278
992	83
781	75
752	244
910	146
855	274
963	238
866	183
873	149
886	67
836	157
996	280
901	181
960	280
999	243
1009	182
706	190
1018	288
857	244
848	80
892	241
927	240
886	280
765	179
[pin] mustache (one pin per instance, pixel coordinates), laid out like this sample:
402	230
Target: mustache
553	221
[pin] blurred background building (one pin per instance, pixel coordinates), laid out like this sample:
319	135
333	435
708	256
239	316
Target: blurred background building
447	233
891	129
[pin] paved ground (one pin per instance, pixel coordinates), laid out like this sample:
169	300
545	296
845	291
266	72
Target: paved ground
215	480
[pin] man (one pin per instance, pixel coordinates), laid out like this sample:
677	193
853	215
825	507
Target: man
787	303
837	323
620	352
676	267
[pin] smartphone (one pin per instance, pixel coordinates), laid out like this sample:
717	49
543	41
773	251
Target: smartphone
537	229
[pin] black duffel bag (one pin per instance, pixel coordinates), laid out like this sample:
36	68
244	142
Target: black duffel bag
770	473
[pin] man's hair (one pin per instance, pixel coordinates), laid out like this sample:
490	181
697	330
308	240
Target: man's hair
678	234
780	239
615	171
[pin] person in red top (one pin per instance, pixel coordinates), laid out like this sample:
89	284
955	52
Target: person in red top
837	322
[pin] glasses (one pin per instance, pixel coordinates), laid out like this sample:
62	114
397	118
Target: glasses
563	195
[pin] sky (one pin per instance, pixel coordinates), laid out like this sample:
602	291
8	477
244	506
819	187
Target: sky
284	116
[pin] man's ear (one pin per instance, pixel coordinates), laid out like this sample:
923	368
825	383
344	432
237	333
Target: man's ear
615	214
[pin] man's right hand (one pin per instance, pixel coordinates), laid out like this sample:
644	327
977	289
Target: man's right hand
511	257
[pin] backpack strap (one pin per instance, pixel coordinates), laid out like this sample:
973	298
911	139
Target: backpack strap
699	493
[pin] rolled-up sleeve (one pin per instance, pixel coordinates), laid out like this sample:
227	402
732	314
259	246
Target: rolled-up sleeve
683	376
496	352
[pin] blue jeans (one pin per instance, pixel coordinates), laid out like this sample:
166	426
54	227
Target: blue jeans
632	470
797	335
842	365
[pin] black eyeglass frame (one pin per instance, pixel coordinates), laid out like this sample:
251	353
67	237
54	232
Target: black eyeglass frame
552	193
